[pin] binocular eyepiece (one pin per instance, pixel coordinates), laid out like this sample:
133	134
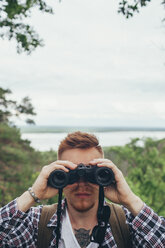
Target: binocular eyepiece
102	176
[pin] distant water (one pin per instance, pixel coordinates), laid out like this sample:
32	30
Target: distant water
47	141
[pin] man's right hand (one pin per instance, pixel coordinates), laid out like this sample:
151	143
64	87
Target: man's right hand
40	186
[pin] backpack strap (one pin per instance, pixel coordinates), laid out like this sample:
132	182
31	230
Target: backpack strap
45	233
120	229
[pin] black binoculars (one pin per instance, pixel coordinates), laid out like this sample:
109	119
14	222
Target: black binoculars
102	176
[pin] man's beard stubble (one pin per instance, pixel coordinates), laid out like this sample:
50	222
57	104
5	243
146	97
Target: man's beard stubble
87	188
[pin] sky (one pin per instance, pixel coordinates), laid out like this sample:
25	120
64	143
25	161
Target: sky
97	68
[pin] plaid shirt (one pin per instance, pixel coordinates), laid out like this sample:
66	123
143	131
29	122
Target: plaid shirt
19	229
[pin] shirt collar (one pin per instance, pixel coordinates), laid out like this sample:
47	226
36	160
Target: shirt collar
108	235
53	220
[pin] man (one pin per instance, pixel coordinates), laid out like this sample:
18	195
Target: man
19	220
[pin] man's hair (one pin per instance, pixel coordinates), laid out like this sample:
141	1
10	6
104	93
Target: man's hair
81	140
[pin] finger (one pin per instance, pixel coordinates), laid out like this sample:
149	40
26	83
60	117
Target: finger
46	170
118	174
101	160
59	164
59	167
107	164
110	187
65	163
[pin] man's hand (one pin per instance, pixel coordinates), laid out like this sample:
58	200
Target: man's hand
40	186
120	192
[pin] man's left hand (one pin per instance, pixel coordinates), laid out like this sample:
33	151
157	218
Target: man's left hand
120	192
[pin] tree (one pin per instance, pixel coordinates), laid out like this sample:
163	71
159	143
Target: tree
128	8
19	162
10	108
143	163
18	159
12	14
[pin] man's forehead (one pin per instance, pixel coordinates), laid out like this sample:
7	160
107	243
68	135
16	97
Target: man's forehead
79	155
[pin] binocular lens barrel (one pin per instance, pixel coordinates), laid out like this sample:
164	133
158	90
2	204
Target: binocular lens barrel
58	179
104	176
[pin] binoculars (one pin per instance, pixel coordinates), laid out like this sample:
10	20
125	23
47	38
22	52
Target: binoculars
102	176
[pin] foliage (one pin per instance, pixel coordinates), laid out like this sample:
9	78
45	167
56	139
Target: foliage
128	9
143	162
18	161
48	156
12	14
20	164
10	108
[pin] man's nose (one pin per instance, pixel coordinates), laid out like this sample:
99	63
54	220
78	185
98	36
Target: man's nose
82	180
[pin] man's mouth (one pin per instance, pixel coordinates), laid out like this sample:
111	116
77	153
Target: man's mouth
82	194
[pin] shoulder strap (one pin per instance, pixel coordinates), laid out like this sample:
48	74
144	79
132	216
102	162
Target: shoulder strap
120	229
45	233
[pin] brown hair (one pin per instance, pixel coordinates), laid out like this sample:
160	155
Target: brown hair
79	140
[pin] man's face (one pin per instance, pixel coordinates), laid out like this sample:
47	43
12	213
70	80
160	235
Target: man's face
81	195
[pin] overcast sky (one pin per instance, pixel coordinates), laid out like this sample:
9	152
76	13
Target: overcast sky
96	67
